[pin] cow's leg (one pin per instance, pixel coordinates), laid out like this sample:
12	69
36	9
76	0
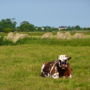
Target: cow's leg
70	76
55	75
68	73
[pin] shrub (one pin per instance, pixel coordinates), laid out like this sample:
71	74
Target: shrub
1	40
5	42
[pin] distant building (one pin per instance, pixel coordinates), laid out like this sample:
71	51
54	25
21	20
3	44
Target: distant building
62	27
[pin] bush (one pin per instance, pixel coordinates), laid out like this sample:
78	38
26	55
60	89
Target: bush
5	42
6	30
1	40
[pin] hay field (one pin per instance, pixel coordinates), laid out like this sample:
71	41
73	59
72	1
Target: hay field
20	64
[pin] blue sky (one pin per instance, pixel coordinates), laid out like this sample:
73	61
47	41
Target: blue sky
47	12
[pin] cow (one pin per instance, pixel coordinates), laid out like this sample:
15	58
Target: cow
58	68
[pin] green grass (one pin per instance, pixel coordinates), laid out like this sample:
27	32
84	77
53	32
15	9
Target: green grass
71	42
20	64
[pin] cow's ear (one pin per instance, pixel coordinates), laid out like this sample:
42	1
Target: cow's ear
69	58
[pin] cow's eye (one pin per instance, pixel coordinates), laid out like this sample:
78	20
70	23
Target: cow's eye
65	60
64	63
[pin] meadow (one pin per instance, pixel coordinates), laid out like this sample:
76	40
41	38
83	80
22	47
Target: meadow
20	64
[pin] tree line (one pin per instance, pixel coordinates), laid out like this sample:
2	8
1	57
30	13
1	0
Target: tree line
10	25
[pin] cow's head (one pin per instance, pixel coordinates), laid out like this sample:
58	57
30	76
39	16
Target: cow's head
63	61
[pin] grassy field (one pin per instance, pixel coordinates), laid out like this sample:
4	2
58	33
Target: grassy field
20	64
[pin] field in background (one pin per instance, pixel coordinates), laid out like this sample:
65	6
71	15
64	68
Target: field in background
20	64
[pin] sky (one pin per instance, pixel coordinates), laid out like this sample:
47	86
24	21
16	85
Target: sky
47	12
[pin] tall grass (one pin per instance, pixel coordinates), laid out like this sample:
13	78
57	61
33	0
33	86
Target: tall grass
35	37
71	42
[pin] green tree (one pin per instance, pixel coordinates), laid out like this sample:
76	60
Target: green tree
47	28
25	26
7	25
77	27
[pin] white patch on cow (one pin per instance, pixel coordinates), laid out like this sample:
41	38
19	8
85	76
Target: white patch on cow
55	75
48	75
42	67
62	57
70	76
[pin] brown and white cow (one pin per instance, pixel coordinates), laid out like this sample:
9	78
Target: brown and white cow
58	68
